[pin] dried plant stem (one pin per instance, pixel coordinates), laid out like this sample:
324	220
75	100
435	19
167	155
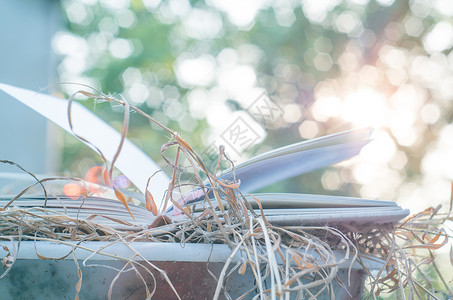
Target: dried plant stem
294	261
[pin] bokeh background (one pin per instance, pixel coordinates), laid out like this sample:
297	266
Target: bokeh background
329	65
196	66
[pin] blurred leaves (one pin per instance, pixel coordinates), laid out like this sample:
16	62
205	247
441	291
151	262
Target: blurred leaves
330	65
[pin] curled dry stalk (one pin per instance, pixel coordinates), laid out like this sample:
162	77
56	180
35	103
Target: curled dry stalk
285	261
410	264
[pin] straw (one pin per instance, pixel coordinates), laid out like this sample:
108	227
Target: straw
296	260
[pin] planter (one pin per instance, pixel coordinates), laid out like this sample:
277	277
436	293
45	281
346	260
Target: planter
186	266
189	267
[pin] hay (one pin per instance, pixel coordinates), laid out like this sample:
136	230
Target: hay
286	261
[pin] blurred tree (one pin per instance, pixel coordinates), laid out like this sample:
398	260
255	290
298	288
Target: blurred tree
329	65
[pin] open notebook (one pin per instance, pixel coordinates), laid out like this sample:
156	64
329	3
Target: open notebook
279	209
254	174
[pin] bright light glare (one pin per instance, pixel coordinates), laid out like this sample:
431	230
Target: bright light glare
438	163
430	113
381	150
76	12
241	13
195	72
308	129
366	107
347	22
316	10
65	43
385	2
116	4
444	7
201	24
126	18
440	38
137	93
151	4
326	107
121	48
236	79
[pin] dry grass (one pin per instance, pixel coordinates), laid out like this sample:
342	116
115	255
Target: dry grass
292	260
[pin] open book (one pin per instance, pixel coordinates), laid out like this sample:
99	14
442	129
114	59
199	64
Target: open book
254	174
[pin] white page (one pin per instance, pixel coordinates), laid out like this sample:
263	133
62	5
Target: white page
290	161
132	162
344	137
293	200
263	172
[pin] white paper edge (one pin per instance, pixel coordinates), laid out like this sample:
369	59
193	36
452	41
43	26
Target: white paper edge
132	162
358	134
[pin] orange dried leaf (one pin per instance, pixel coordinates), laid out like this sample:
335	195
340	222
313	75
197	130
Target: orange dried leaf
161	220
260	207
231	185
296	260
431	244
110	218
434	239
403	234
183	143
150	204
391	276
301	263
242	268
122	199
427	211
